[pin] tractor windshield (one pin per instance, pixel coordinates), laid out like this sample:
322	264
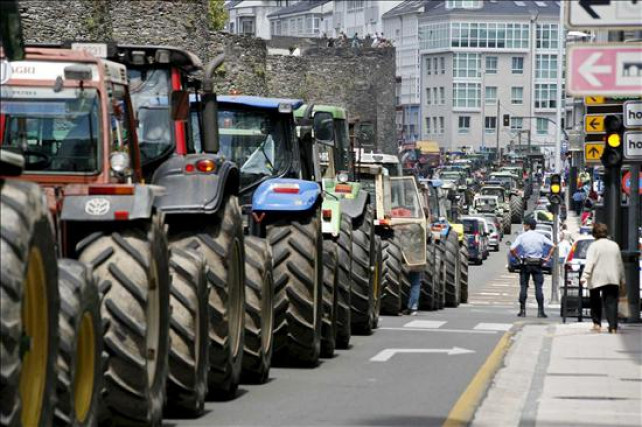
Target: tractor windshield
404	199
255	140
486	204
494	192
149	91
57	131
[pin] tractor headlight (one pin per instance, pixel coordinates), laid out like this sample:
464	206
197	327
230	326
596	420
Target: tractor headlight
342	177
119	162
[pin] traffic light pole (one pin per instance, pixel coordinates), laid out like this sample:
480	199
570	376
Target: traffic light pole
631	256
612	203
556	266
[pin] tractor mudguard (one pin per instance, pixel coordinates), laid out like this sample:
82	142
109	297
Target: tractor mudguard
285	195
355	207
331	224
109	207
194	191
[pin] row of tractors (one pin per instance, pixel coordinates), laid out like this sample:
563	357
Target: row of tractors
160	244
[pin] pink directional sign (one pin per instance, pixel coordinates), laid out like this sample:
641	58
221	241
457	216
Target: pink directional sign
606	70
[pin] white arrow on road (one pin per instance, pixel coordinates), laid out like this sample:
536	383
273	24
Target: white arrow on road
385	355
588	69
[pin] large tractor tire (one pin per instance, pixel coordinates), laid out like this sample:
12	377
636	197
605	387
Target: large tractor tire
507	223
453	285
297	250
404	286
259	311
429	281
188	354
390	278
80	375
363	278
330	277
463	252
132	268
344	254
441	276
220	241
376	307
516	209
29	304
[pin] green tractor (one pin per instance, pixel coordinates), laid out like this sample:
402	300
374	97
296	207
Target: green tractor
502	209
517	201
352	303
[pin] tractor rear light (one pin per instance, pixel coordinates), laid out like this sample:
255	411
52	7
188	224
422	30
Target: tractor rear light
190	168
286	188
476	238
327	214
342	188
206	166
121	215
111	190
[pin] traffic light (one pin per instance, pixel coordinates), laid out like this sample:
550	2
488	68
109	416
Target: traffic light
506	120
556	188
612	156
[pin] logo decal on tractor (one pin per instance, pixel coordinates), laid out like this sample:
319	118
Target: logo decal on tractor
97	207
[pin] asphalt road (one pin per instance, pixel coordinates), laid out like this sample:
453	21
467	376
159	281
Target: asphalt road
443	351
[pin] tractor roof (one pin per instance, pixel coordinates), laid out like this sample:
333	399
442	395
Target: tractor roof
259	102
337	112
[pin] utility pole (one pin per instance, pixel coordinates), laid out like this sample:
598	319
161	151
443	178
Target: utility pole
497	128
560	94
631	256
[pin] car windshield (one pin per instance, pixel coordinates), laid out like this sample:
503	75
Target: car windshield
255	140
581	248
56	131
404	199
149	91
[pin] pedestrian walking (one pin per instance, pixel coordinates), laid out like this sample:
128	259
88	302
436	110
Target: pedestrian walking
413	297
531	247
603	274
355	40
578	198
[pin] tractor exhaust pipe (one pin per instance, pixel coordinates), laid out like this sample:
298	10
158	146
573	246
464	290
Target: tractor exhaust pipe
210	107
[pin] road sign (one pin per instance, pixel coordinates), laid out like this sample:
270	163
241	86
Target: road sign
626	183
604	13
604	69
594	123
593	152
633	145
633	114
594	100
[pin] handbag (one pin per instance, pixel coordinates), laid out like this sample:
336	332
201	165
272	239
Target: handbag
533	261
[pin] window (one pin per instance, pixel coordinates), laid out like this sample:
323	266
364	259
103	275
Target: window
428	96
435	64
516	123
489	35
428	66
490	98
428	125
517	65
441	125
491	65
546	66
354	5
545	95
517	95
547	36
442	65
247	26
316	23
542	126
466	95
490	124
442	95
464	124
435	128
466	65
434	36
463	4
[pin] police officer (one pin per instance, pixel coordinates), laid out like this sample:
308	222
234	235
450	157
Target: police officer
531	247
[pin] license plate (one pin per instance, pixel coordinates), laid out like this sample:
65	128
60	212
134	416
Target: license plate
97	49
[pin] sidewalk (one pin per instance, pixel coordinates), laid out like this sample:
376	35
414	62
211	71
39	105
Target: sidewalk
565	375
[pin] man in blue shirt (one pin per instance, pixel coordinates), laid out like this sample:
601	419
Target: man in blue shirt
534	249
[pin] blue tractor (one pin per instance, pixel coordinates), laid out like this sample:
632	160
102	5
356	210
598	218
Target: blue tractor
281	203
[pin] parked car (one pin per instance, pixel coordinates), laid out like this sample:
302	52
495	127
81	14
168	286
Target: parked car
473	229
515	263
496	221
493	237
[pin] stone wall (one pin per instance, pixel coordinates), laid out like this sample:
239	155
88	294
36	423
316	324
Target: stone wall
361	80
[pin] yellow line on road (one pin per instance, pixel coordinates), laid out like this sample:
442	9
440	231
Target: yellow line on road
463	411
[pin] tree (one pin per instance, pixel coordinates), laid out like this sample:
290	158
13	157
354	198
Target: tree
217	14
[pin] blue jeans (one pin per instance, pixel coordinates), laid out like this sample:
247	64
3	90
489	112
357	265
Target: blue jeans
524	275
415	287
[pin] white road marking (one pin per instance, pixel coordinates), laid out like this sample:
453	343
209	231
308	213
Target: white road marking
454	331
426	324
385	355
493	326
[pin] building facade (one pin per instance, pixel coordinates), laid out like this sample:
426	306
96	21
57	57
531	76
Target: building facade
303	19
250	17
482	60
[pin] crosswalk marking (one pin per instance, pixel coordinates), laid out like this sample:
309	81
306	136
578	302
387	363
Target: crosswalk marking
493	326
425	324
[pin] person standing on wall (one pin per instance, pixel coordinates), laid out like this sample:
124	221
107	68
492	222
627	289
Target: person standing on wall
603	274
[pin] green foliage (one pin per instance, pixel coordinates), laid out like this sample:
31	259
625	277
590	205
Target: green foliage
217	14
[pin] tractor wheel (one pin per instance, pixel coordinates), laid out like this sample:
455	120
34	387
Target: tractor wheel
390	272
376	307
330	277
429	281
453	289
507	222
29	304
220	241
188	355
516	209
132	268
80	375
463	252
259	311
440	265
297	250
344	254
363	273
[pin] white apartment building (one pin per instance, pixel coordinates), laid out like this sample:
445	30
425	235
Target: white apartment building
480	60
250	17
360	16
303	19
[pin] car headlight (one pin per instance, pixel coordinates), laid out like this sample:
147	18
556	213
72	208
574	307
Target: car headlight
119	162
